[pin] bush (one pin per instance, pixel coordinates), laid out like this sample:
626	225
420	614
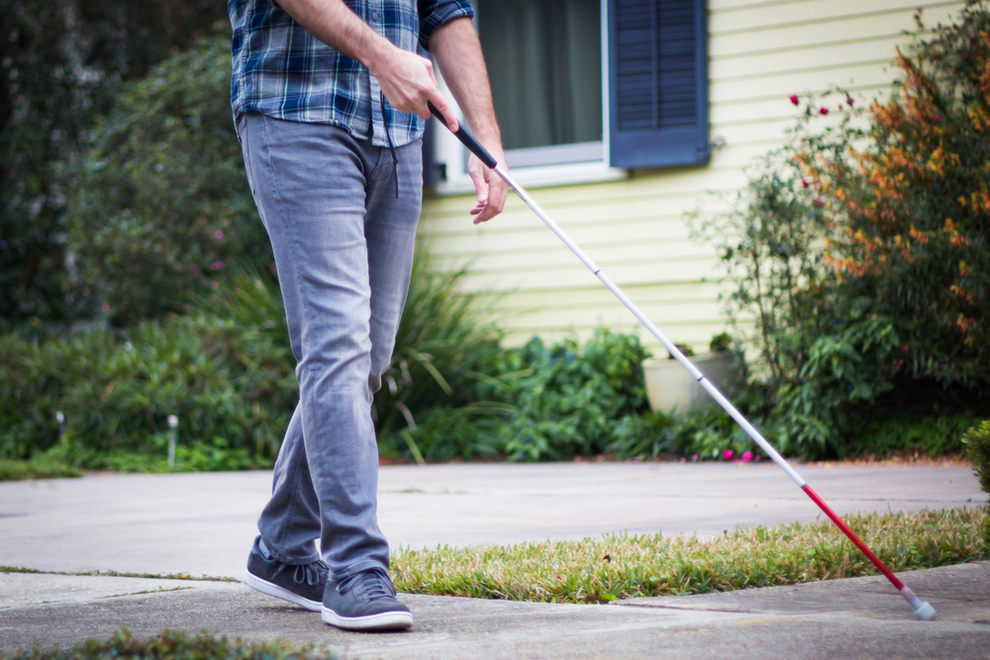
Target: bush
115	394
428	407
860	249
62	63
568	401
977	441
162	206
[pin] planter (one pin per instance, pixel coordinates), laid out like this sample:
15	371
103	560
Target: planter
671	388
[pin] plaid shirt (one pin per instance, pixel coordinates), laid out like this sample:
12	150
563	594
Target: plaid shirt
280	70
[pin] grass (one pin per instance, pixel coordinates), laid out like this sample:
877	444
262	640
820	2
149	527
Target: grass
173	644
126	574
15	470
627	566
609	568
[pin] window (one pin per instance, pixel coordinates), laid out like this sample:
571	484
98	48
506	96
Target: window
545	67
583	87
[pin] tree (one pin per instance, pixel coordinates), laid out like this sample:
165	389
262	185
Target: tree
62	61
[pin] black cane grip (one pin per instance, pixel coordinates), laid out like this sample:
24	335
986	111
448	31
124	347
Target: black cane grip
466	139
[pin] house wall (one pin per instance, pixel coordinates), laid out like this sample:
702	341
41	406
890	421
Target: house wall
760	52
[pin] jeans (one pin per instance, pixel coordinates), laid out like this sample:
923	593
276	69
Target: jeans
342	219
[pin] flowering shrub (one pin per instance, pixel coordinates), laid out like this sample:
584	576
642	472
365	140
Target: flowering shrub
908	210
861	249
162	206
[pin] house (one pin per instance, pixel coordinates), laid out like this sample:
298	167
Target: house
579	85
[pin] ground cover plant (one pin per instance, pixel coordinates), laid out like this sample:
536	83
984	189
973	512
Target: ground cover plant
627	566
173	645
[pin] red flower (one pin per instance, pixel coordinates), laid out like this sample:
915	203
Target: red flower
823	111
794	99
804	183
849	100
818	203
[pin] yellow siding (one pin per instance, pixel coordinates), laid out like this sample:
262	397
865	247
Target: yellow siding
760	52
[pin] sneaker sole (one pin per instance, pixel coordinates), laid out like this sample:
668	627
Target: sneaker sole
381	621
271	589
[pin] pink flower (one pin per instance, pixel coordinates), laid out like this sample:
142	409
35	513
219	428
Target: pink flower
216	265
215	285
818	203
849	100
804	183
694	459
727	454
747	456
794	99
823	111
218	234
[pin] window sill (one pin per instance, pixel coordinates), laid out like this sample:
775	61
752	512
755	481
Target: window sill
543	177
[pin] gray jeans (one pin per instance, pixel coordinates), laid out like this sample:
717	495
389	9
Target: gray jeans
343	232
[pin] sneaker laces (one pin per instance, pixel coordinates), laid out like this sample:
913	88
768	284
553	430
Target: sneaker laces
312	574
371	584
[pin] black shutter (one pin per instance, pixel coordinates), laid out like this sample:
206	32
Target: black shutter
658	83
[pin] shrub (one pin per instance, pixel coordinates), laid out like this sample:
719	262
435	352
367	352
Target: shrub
860	248
115	394
162	206
428	403
569	401
977	442
62	63
909	208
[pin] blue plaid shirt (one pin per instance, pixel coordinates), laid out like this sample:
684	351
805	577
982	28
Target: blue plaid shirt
280	70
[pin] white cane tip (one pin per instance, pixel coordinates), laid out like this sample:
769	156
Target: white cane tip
925	611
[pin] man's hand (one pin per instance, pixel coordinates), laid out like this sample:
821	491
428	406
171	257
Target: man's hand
406	79
489	188
409	84
457	51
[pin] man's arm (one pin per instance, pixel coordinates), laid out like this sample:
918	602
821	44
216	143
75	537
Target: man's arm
457	51
406	78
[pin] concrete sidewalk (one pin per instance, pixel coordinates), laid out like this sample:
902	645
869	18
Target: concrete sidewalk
202	524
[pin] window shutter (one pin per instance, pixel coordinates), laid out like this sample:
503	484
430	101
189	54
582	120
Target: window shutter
658	83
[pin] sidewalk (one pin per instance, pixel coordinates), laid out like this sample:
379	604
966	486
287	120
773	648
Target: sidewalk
202	524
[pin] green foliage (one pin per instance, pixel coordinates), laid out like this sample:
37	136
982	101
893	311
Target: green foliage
912	429
15	470
977	441
162	206
176	645
569	401
115	395
428	404
62	62
708	433
860	248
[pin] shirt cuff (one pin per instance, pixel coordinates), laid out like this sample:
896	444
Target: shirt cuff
434	14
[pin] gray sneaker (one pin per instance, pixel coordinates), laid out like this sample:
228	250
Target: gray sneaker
365	601
302	584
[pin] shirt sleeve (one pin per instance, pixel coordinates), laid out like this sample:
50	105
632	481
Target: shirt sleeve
434	13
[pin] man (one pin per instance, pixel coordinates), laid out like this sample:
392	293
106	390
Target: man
328	99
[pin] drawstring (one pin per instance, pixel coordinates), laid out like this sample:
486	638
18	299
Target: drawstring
391	147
